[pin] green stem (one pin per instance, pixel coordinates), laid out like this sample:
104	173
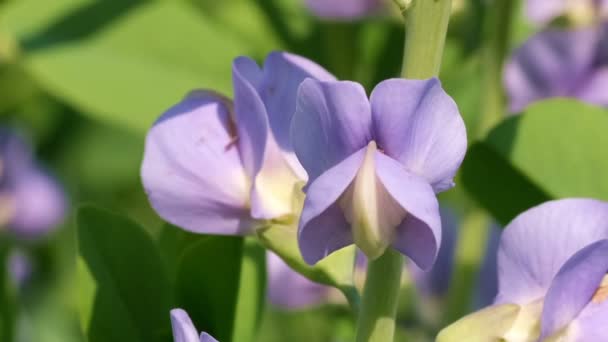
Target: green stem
426	26
380	298
497	28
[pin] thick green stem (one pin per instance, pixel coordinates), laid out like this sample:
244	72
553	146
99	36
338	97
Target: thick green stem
380	298
497	28
426	26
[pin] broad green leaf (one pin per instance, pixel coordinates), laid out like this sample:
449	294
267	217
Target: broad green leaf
554	149
132	297
139	65
221	284
335	270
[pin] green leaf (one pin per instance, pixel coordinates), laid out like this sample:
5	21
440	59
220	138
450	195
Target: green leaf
140	64
335	270
552	150
221	284
132	294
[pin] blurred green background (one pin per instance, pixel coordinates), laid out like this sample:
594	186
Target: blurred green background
85	80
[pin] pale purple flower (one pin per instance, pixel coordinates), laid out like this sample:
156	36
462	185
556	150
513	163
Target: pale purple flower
184	330
543	11
19	267
215	166
552	265
344	9
289	290
559	63
31	202
375	165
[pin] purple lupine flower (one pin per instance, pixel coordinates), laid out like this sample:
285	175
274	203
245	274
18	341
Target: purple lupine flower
543	11
552	265
31	202
374	166
184	330
215	166
487	281
344	9
289	290
559	63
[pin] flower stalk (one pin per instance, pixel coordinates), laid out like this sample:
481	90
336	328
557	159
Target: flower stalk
426	27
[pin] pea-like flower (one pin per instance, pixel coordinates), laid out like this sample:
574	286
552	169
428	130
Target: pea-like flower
31	202
375	165
344	9
559	63
184	330
543	11
552	265
215	166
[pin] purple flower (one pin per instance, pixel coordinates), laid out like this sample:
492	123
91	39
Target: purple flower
344	9
289	290
543	11
31	202
559	63
552	264
375	165
215	166
19	267
184	330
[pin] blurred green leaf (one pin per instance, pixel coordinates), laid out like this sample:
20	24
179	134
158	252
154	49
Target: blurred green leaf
221	284
552	150
132	299
140	64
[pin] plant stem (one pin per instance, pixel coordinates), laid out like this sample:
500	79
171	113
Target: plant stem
427	26
497	28
380	298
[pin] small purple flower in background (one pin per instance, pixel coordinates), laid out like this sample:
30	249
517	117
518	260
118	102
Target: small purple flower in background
184	330
487	281
288	290
31	202
19	267
559	63
344	9
374	166
552	265
215	166
543	11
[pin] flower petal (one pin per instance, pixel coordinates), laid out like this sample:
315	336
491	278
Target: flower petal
192	170
183	328
332	121
290	290
418	124
550	64
250	114
274	177
207	338
436	281
15	155
283	74
536	244
419	235
594	90
590	325
39	204
573	286
343	9
323	228
543	11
